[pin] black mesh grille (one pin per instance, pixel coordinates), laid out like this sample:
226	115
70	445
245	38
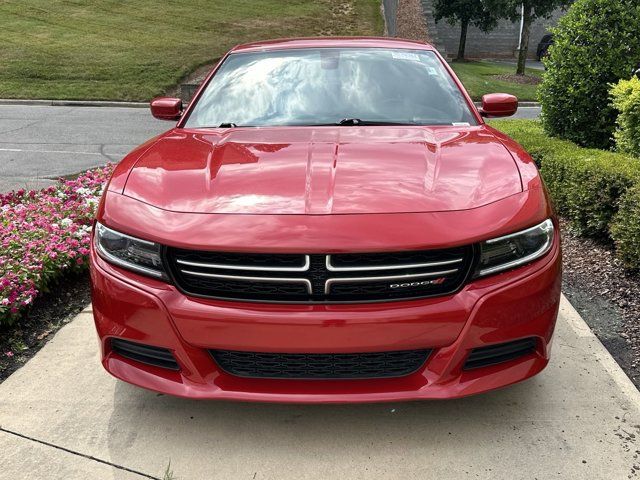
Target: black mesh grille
241	290
320	366
352	277
503	352
160	357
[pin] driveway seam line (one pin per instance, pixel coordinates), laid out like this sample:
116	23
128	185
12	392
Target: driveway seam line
73	452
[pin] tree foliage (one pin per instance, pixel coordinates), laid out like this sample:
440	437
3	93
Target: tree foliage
467	12
475	12
512	9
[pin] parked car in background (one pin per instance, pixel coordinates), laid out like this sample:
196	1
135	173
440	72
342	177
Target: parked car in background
331	220
543	47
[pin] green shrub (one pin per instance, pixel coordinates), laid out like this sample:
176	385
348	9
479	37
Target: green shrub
626	99
625	229
584	183
596	44
597	191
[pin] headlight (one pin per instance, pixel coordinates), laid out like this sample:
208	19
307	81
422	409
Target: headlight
129	252
516	249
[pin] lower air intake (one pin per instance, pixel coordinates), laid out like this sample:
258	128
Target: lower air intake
320	365
503	352
159	357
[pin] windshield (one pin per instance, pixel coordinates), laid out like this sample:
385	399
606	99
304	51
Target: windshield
329	86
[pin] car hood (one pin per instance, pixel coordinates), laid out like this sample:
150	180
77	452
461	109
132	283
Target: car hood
324	170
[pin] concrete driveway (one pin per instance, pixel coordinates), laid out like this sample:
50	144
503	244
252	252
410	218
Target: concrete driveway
41	143
62	416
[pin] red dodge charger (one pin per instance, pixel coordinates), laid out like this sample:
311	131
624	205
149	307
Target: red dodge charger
330	220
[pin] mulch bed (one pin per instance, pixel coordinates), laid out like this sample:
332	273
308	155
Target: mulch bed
521	79
49	312
607	297
410	22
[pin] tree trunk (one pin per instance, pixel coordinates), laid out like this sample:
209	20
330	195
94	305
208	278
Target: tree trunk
524	47
463	39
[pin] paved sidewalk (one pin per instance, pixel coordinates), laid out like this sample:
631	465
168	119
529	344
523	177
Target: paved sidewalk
579	419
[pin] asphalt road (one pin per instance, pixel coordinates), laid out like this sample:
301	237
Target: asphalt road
41	143
527	112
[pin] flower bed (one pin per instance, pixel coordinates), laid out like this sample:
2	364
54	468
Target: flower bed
44	235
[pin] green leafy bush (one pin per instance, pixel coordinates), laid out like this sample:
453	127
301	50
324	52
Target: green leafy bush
626	99
597	43
597	191
625	229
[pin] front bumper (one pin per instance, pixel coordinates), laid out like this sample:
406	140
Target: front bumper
522	303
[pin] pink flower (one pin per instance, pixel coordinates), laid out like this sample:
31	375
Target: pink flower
44	233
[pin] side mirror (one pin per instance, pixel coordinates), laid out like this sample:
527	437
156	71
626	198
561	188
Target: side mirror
166	108
498	105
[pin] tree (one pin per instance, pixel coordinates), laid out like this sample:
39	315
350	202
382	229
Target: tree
467	12
528	11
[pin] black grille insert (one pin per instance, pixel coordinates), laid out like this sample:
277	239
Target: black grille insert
491	355
350	277
159	357
320	365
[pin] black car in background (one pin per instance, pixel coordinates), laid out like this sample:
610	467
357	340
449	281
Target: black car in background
543	46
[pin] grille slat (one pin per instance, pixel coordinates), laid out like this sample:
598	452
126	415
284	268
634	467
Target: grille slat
352	277
390	278
320	365
255	267
400	266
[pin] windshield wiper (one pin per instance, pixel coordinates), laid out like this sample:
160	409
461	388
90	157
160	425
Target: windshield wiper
356	121
345	122
350	121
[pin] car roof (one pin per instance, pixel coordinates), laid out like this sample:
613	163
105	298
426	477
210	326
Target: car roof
315	42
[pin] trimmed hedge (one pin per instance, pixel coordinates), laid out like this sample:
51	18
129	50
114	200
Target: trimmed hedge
597	191
595	44
626	99
625	229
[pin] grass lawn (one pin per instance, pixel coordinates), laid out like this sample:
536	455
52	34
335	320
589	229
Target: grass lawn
136	49
478	78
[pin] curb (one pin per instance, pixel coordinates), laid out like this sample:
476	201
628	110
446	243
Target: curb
74	103
582	329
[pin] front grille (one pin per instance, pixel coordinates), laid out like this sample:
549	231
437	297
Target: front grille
320	365
159	357
503	352
350	277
